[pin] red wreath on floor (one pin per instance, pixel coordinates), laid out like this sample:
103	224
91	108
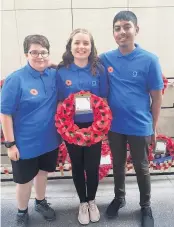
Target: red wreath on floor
155	164
71	133
165	82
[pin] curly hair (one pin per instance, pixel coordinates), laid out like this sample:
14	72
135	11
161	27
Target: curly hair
93	58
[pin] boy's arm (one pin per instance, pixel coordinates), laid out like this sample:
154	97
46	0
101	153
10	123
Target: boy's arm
7	127
155	86
156	97
10	98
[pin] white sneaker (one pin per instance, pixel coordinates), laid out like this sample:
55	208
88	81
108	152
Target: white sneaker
83	216
94	213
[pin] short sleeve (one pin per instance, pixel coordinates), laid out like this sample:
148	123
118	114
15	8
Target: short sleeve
60	87
155	81
104	85
10	95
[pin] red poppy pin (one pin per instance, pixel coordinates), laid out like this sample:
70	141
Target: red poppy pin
34	92
110	69
68	82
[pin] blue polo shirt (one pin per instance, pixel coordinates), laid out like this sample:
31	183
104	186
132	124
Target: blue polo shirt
31	99
82	79
131	78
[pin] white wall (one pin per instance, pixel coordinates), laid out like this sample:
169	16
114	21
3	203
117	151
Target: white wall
56	19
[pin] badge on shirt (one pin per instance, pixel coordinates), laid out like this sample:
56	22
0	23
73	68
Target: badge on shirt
94	83
34	91
83	104
110	69
68	82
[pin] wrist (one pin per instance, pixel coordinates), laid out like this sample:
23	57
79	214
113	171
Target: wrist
9	144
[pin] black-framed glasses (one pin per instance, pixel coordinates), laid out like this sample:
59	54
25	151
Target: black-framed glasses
35	54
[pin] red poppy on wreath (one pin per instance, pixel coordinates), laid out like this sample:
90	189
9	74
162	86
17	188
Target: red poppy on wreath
97	136
62	153
105	149
79	139
110	69
165	81
68	82
85	136
1	83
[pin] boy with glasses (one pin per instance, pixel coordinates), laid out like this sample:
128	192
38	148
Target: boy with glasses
28	105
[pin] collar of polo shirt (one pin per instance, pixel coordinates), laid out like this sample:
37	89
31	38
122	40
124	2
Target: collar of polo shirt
75	67
130	55
36	73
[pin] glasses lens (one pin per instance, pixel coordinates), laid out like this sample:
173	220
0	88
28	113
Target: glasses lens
34	53
44	54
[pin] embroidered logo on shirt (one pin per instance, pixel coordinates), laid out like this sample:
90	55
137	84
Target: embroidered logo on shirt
135	73
68	82
34	92
110	69
94	83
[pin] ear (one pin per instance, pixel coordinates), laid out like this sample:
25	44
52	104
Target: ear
137	30
26	55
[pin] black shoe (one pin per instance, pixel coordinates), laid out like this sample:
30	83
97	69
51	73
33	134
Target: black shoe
45	209
147	218
114	206
22	219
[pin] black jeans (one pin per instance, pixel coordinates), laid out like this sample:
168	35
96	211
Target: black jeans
85	159
139	153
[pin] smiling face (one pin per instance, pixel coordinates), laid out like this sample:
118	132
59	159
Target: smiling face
81	46
38	57
124	33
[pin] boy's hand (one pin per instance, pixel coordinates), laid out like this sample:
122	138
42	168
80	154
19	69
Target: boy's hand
13	153
52	65
153	138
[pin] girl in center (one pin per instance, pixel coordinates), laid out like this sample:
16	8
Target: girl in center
81	69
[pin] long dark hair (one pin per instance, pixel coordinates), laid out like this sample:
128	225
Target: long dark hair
93	59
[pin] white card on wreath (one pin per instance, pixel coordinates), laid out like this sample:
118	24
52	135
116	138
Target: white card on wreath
106	160
83	104
160	146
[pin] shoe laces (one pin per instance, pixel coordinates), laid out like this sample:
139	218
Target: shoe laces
45	204
92	205
84	207
115	201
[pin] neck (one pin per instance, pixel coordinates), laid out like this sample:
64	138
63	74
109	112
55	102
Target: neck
37	69
81	63
126	49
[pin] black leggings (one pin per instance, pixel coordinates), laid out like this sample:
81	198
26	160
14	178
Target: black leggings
85	159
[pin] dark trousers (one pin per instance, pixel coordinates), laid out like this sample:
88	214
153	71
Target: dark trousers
139	154
85	159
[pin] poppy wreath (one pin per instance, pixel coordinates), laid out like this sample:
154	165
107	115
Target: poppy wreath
71	133
103	169
162	162
165	82
2	135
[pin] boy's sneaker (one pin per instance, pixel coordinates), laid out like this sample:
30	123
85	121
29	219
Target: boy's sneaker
45	209
83	216
146	217
22	219
94	213
114	206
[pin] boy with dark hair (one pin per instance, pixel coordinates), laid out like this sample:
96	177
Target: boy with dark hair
134	77
28	105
